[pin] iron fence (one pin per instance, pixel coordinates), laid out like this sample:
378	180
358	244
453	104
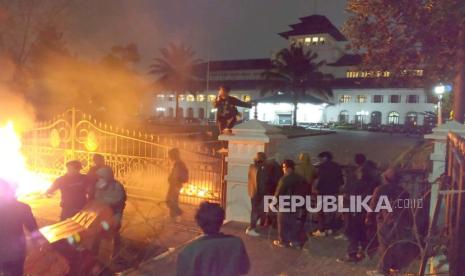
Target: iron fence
138	159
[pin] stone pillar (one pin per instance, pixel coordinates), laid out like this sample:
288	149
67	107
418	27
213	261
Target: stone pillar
247	139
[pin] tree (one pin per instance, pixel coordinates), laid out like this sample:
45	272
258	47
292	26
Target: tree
124	57
174	69
295	71
399	35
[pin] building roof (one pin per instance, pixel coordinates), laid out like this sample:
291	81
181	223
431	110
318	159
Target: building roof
314	24
237	64
347	60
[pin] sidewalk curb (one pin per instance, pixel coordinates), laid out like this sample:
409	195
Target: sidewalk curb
326	132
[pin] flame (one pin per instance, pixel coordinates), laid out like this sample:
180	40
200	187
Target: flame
13	164
197	191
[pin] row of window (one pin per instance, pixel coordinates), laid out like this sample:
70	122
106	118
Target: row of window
380	99
309	40
169	112
376	118
381	74
199	98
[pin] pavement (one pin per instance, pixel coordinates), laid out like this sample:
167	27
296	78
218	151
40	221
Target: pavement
319	257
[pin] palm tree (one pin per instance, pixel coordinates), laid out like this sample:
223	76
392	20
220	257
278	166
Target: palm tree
294	71
174	70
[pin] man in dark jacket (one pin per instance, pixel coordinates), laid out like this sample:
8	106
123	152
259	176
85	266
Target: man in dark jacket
361	181
329	182
214	253
74	188
261	178
178	176
14	216
226	106
289	225
393	227
99	162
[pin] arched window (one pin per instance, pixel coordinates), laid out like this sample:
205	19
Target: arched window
201	113
411	118
376	118
344	116
171	112
180	112
393	118
190	113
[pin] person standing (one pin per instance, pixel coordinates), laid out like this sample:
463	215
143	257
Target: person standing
330	180
74	188
396	240
289	226
226	106
214	253
306	169
14	217
110	192
258	179
178	176
99	162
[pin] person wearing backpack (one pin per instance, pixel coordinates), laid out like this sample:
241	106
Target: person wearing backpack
110	192
177	177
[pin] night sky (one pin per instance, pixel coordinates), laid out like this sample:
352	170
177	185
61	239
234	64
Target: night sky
230	29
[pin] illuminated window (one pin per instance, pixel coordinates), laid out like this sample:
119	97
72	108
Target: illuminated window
394	99
344	116
412	99
322	39
386	74
200	98
246	98
419	73
378	98
211	98
393	118
160	97
190	98
315	39
170	98
308	40
361	99
182	98
344	99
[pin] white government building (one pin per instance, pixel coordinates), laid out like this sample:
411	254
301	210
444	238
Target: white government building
358	97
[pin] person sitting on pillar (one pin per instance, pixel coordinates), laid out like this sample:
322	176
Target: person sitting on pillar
214	253
226	106
74	188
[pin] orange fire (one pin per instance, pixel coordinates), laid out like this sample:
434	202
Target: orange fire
13	164
197	191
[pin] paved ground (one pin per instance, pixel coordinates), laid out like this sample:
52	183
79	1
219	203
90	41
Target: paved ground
380	147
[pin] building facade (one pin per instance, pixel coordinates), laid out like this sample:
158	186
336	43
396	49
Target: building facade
365	97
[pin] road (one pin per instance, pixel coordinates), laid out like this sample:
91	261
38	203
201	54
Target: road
379	147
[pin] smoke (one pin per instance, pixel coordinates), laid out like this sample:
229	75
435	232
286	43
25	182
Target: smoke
13	106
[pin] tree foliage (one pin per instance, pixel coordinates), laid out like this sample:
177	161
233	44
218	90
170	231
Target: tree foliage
296	72
398	35
174	70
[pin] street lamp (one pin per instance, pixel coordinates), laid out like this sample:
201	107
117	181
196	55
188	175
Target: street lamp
439	91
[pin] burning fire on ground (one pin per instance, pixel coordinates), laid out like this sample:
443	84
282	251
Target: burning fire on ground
197	191
13	164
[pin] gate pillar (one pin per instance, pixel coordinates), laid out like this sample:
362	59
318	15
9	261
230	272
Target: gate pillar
247	139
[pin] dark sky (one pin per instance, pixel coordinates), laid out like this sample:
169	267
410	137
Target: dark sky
230	29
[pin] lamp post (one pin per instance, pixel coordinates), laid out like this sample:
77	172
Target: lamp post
439	91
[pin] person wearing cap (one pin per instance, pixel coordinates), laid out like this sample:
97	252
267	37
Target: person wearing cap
14	217
74	188
289	224
110	192
226	106
260	178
